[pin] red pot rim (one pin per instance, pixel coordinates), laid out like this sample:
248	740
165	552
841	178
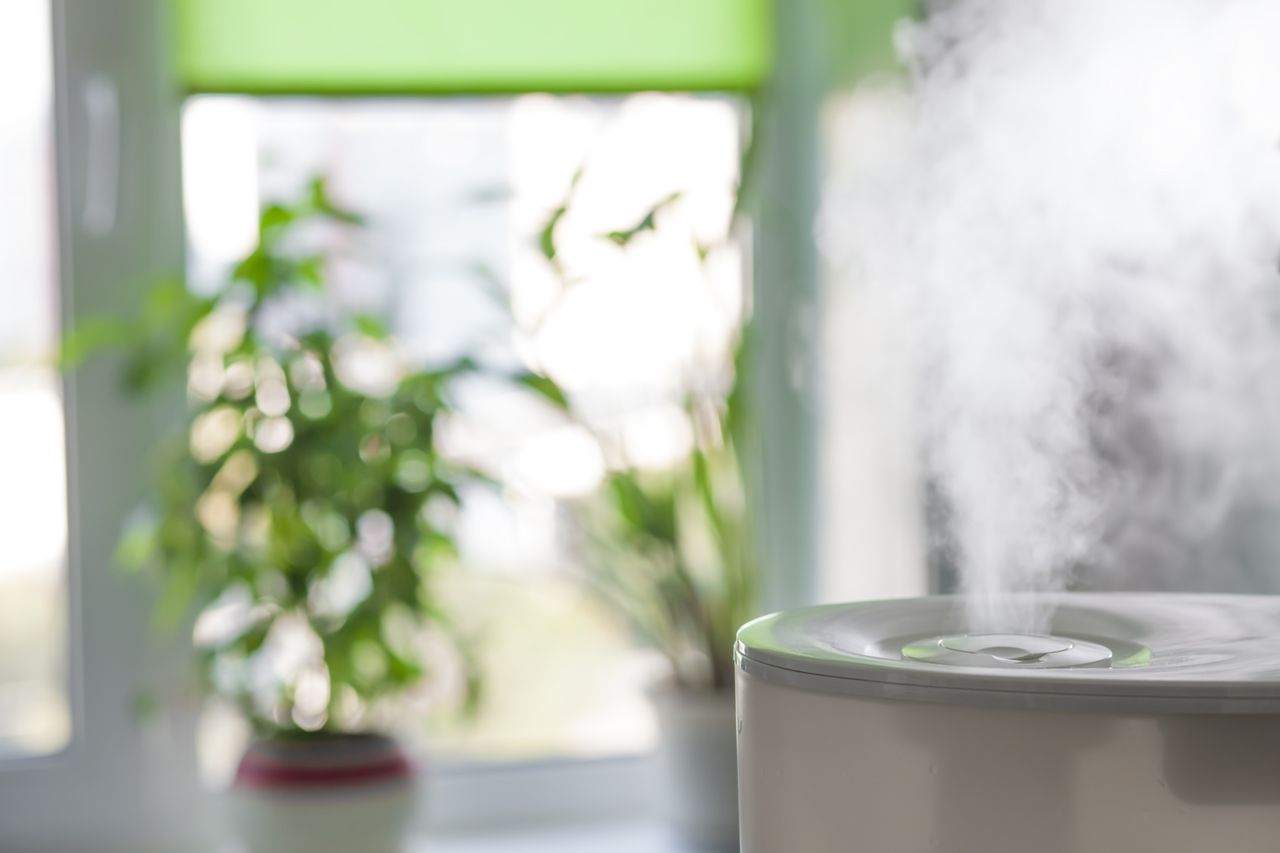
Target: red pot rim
261	771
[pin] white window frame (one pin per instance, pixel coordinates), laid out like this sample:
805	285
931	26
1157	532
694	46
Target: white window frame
118	228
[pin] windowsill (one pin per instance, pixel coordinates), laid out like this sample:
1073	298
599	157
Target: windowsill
622	836
628	836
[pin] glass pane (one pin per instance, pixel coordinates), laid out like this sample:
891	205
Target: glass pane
34	715
457	194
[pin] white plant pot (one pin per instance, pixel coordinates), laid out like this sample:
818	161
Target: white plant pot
697	765
332	795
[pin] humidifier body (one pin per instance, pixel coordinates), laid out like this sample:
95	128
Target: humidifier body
1139	723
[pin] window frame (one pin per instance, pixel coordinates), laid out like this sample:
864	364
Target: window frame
118	225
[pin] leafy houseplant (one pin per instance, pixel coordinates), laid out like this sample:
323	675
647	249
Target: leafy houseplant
672	550
302	514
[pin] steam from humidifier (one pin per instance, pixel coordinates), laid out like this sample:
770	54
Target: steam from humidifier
1079	244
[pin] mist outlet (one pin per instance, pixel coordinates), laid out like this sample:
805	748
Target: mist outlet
1031	651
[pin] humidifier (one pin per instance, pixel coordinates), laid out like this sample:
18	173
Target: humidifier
1132	722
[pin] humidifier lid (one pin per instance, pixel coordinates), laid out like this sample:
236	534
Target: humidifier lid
1138	653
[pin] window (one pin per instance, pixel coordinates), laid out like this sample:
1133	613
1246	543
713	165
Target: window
34	709
458	194
114	227
120	780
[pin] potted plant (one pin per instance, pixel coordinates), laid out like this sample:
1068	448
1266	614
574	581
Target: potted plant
672	551
300	517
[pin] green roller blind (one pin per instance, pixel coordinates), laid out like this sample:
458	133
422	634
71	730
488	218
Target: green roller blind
471	46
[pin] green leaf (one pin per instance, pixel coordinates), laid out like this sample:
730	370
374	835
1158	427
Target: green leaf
321	202
737	417
146	368
254	269
749	161
251	640
310	271
274	216
372	327
176	599
139	542
545	387
90	338
547	236
706	488
650	513
648	223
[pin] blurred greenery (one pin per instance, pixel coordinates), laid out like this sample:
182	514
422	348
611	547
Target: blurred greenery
306	501
672	550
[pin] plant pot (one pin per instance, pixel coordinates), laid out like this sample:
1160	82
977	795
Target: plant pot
698	765
323	794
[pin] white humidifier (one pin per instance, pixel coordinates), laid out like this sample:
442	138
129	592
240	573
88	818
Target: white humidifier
1136	723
